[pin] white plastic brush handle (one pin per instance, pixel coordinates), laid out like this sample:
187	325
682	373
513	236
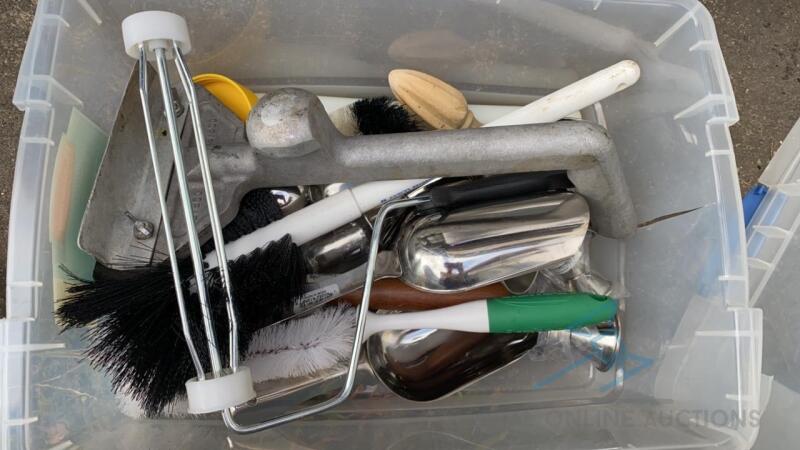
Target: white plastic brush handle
319	218
521	314
471	317
576	96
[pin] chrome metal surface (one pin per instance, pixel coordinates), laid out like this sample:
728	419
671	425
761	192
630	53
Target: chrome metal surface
177	105
600	343
573	275
335	188
427	364
470	248
213	213
340	250
318	192
142	229
173	257
474	247
188	214
420	365
522	284
290	199
322	288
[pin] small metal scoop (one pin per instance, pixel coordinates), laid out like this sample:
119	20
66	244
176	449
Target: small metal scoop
463	250
427	364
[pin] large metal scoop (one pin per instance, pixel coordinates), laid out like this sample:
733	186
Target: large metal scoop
465	249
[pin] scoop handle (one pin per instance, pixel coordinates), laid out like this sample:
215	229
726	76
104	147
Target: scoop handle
497	188
521	314
543	312
394	295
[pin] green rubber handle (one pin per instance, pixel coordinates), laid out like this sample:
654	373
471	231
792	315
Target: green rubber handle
545	312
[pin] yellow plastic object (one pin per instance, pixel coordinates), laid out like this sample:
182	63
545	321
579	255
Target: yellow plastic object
233	95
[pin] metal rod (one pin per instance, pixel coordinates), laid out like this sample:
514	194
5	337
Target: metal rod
208	187
194	241
349	382
173	257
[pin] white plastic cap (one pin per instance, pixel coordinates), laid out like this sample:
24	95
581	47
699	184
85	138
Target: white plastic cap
155	29
216	394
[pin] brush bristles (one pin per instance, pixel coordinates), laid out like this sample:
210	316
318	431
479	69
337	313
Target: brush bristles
257	209
383	115
293	348
303	346
136	335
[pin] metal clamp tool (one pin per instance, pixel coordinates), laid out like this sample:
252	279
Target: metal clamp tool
160	36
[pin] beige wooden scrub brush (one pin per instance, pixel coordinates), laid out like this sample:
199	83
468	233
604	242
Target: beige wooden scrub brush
437	103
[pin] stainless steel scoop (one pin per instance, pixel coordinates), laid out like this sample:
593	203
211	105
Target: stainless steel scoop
463	250
426	364
478	246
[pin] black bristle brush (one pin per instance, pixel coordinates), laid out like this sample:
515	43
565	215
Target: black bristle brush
135	333
378	115
252	276
257	209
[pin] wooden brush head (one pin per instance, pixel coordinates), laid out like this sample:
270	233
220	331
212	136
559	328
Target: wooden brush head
440	105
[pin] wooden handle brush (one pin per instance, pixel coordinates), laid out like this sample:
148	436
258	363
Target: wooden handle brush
443	107
439	104
392	294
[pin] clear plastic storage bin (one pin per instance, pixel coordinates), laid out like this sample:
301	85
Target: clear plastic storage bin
773	248
690	372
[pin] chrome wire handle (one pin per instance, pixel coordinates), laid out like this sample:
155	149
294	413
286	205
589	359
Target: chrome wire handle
211	202
173	259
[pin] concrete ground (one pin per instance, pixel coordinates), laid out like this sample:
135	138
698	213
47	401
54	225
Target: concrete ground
759	41
762	51
15	23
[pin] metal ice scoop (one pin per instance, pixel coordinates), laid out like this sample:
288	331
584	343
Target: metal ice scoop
463	250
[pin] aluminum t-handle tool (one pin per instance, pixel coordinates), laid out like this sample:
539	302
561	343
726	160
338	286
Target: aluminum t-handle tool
293	141
297	144
160	36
